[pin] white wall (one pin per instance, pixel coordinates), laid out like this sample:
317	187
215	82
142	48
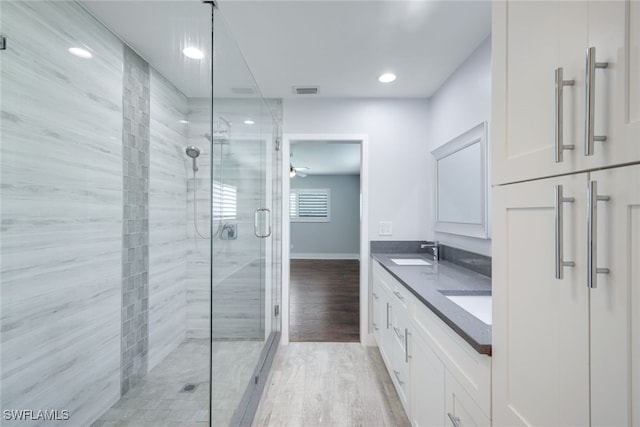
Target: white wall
398	150
461	103
340	237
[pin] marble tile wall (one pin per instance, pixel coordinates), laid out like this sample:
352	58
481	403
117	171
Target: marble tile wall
61	209
168	221
135	224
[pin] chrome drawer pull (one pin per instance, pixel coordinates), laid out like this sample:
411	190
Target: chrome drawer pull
399	295
560	262
397	331
454	420
406	345
397	374
592	234
559	135
590	98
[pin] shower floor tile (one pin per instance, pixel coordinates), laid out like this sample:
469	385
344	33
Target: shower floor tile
159	400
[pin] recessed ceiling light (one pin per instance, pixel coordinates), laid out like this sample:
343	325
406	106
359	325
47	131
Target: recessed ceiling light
387	78
82	53
193	53
249	122
183	121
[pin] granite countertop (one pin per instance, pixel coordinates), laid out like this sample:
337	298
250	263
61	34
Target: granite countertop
425	282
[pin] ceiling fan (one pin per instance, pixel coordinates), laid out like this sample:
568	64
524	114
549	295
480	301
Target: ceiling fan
295	171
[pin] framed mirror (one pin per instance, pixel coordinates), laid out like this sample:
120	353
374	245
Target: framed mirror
460	184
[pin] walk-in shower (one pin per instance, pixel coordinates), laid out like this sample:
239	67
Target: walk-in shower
115	309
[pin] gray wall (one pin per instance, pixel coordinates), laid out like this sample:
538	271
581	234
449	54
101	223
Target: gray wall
341	236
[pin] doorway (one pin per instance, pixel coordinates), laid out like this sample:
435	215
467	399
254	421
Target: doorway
325	296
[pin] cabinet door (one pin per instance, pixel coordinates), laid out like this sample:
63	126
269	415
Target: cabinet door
530	40
427	385
615	302
614	32
540	324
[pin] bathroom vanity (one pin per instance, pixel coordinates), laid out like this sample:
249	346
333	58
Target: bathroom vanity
432	323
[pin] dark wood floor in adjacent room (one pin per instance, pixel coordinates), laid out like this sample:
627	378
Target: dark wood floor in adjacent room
324	300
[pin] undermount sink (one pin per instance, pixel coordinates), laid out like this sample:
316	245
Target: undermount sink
477	303
409	261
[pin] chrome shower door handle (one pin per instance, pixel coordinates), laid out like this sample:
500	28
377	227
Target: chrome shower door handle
559	238
266	213
590	99
559	131
592	234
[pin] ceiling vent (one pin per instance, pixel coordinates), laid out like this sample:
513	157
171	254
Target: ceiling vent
243	90
305	90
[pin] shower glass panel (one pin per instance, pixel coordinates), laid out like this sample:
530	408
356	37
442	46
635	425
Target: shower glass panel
134	201
243	326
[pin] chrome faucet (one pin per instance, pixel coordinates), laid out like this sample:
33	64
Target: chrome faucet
434	247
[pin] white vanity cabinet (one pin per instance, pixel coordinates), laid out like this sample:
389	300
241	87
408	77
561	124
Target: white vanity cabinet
531	41
434	370
566	341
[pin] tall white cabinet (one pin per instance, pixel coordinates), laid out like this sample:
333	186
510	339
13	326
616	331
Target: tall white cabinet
566	223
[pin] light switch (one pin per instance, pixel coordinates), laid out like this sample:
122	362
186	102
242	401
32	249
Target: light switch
385	228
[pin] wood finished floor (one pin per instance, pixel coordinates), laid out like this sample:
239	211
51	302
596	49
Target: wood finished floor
324	300
329	385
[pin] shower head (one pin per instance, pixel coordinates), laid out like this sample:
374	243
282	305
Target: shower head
192	151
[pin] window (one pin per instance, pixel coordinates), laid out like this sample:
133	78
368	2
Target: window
309	205
225	201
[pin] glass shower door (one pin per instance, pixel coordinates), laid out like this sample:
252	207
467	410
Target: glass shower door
242	291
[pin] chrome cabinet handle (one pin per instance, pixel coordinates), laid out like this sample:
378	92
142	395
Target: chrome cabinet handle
256	222
388	306
406	345
454	420
398	333
592	234
559	135
590	98
375	295
398	295
560	262
397	374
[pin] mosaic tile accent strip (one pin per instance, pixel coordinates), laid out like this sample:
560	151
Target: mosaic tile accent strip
135	224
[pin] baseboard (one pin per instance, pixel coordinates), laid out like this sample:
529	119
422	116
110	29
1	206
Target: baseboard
325	256
371	341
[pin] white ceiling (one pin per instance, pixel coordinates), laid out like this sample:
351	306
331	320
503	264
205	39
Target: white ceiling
326	157
158	31
341	46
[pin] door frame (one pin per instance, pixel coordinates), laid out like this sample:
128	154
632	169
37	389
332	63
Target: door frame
363	139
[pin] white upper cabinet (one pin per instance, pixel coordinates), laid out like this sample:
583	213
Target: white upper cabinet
540	128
